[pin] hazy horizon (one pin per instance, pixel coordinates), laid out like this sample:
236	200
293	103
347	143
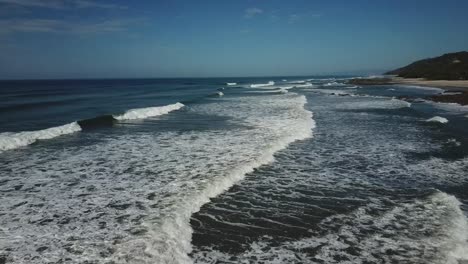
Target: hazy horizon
77	39
344	75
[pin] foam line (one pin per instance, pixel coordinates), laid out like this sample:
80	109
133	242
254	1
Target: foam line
176	231
448	237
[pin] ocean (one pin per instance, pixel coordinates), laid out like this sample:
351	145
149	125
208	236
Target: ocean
231	170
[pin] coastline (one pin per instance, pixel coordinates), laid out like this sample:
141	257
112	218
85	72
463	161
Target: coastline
459	85
455	91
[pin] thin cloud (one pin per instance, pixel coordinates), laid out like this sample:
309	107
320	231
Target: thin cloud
252	11
90	4
29	25
61	26
293	18
61	4
114	25
54	4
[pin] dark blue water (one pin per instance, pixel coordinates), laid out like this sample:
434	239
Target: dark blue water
34	105
306	170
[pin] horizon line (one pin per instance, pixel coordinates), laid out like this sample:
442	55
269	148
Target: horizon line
151	78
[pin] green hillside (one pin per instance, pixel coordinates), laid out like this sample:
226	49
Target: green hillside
451	66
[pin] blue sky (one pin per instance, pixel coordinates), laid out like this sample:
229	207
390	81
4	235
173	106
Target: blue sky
105	39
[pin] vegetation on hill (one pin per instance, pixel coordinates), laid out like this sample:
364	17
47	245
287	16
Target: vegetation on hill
451	66
370	81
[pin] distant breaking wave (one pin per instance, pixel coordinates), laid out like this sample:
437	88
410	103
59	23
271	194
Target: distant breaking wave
13	140
304	85
270	83
334	84
298	82
438	119
140	113
10	140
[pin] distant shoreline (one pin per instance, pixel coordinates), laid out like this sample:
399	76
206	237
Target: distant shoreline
449	86
445	84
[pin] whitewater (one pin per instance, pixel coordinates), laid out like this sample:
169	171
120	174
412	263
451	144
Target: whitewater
12	140
151	202
238	170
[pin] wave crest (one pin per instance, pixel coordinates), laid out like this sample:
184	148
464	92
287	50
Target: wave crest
270	83
10	140
140	113
438	119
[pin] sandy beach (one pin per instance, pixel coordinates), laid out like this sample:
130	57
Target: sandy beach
459	86
448	85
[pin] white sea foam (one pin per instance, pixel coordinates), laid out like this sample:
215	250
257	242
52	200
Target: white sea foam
298	82
438	119
231	83
304	85
128	198
427	88
403	231
330	91
452	93
140	113
378	103
9	140
275	87
334	84
453	141
270	83
220	94
449	107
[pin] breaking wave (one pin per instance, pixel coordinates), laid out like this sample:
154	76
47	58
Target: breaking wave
334	84
140	113
9	140
270	83
298	82
13	140
304	85
137	196
438	119
97	122
176	231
